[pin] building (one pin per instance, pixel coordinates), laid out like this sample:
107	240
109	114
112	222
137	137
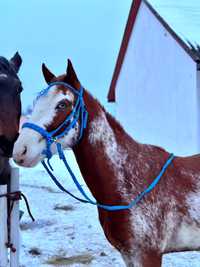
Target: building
156	81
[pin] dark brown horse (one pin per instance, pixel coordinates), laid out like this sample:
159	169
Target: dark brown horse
116	168
10	111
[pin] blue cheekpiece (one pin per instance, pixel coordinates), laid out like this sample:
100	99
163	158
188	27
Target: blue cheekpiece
79	113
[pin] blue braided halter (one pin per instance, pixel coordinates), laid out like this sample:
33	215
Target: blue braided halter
79	112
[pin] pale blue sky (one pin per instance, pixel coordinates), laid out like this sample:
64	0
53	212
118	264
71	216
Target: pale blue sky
89	32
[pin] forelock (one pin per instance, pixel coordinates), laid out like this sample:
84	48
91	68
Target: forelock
66	92
52	92
47	100
4	62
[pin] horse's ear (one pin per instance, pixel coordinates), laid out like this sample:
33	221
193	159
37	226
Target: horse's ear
16	61
48	75
71	76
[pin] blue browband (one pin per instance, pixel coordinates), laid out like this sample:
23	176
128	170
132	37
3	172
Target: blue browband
79	113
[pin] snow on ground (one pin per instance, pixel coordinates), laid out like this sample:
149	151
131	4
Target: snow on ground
66	232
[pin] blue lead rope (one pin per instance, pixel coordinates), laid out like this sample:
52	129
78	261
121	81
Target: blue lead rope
79	113
88	200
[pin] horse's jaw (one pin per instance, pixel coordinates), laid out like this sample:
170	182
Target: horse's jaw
28	149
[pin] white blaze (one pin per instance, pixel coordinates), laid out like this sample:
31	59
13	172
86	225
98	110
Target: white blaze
43	114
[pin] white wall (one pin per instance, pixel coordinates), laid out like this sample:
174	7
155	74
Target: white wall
156	94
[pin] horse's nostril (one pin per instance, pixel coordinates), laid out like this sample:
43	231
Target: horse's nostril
25	150
21	161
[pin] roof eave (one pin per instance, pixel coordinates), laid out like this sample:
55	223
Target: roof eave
190	50
124	44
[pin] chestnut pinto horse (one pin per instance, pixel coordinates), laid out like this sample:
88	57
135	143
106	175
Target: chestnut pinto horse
10	111
116	168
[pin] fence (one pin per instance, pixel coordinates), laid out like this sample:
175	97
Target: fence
9	224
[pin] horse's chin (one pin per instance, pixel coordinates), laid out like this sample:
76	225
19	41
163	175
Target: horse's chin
32	164
29	163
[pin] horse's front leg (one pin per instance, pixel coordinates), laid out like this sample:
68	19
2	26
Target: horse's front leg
144	259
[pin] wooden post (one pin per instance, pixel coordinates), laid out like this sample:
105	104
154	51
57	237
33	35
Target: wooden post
14	227
3	228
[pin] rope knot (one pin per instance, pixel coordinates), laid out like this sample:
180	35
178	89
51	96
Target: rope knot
11	247
12	197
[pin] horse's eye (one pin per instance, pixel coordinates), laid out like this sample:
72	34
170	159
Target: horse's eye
19	89
61	105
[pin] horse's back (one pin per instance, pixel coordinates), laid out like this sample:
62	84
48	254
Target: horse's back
189	163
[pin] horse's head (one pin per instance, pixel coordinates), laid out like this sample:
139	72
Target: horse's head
51	109
10	104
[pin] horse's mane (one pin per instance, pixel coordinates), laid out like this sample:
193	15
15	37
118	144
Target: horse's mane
114	123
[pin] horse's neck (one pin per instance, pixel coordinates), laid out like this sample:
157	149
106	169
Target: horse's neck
102	153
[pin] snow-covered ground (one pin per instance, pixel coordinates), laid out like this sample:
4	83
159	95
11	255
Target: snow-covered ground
66	232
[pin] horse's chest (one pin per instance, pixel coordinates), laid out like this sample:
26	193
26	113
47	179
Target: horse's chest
117	228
